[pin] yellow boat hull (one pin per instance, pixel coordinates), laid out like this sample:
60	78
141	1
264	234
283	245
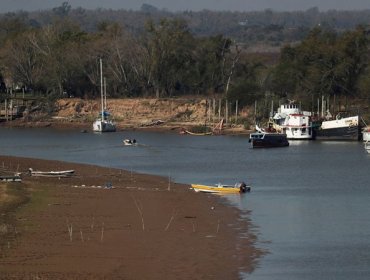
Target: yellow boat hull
215	189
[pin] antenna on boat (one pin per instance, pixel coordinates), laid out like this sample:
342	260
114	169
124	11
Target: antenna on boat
272	109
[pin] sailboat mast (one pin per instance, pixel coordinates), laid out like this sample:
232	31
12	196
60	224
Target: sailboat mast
101	89
105	94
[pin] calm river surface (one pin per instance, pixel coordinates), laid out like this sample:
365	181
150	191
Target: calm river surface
310	202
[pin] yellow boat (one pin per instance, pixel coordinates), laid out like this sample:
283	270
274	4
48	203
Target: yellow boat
220	188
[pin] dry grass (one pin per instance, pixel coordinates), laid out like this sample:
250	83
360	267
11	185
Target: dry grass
3	194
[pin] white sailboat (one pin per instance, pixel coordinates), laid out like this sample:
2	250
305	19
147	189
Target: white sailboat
104	122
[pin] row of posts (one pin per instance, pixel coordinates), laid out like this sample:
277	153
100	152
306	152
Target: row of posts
216	110
7	112
11	105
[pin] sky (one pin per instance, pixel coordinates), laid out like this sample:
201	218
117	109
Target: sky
194	5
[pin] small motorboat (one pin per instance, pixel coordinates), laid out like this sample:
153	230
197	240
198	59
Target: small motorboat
11	178
129	142
184	131
62	173
221	188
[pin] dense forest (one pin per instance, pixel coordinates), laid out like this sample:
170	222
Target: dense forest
154	52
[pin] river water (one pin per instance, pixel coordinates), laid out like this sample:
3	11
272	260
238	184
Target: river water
310	202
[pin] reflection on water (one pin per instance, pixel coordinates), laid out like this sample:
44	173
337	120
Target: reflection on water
309	202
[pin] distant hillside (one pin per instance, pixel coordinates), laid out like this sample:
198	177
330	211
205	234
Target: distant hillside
268	27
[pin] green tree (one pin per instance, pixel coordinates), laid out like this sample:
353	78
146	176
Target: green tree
324	64
212	64
169	45
247	86
283	78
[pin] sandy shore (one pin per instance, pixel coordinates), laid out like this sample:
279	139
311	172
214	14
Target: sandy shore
142	228
173	127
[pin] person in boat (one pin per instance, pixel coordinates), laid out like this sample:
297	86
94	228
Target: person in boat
133	141
243	187
271	128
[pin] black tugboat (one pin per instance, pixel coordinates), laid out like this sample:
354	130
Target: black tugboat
268	140
347	128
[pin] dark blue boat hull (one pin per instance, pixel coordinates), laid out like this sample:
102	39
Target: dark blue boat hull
270	141
350	133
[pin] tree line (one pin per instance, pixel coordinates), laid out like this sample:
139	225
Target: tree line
164	60
268	26
167	59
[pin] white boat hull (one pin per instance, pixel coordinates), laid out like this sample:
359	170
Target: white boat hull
129	142
63	173
15	178
366	136
103	123
298	133
104	126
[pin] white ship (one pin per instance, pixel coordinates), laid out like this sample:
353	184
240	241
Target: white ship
296	124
